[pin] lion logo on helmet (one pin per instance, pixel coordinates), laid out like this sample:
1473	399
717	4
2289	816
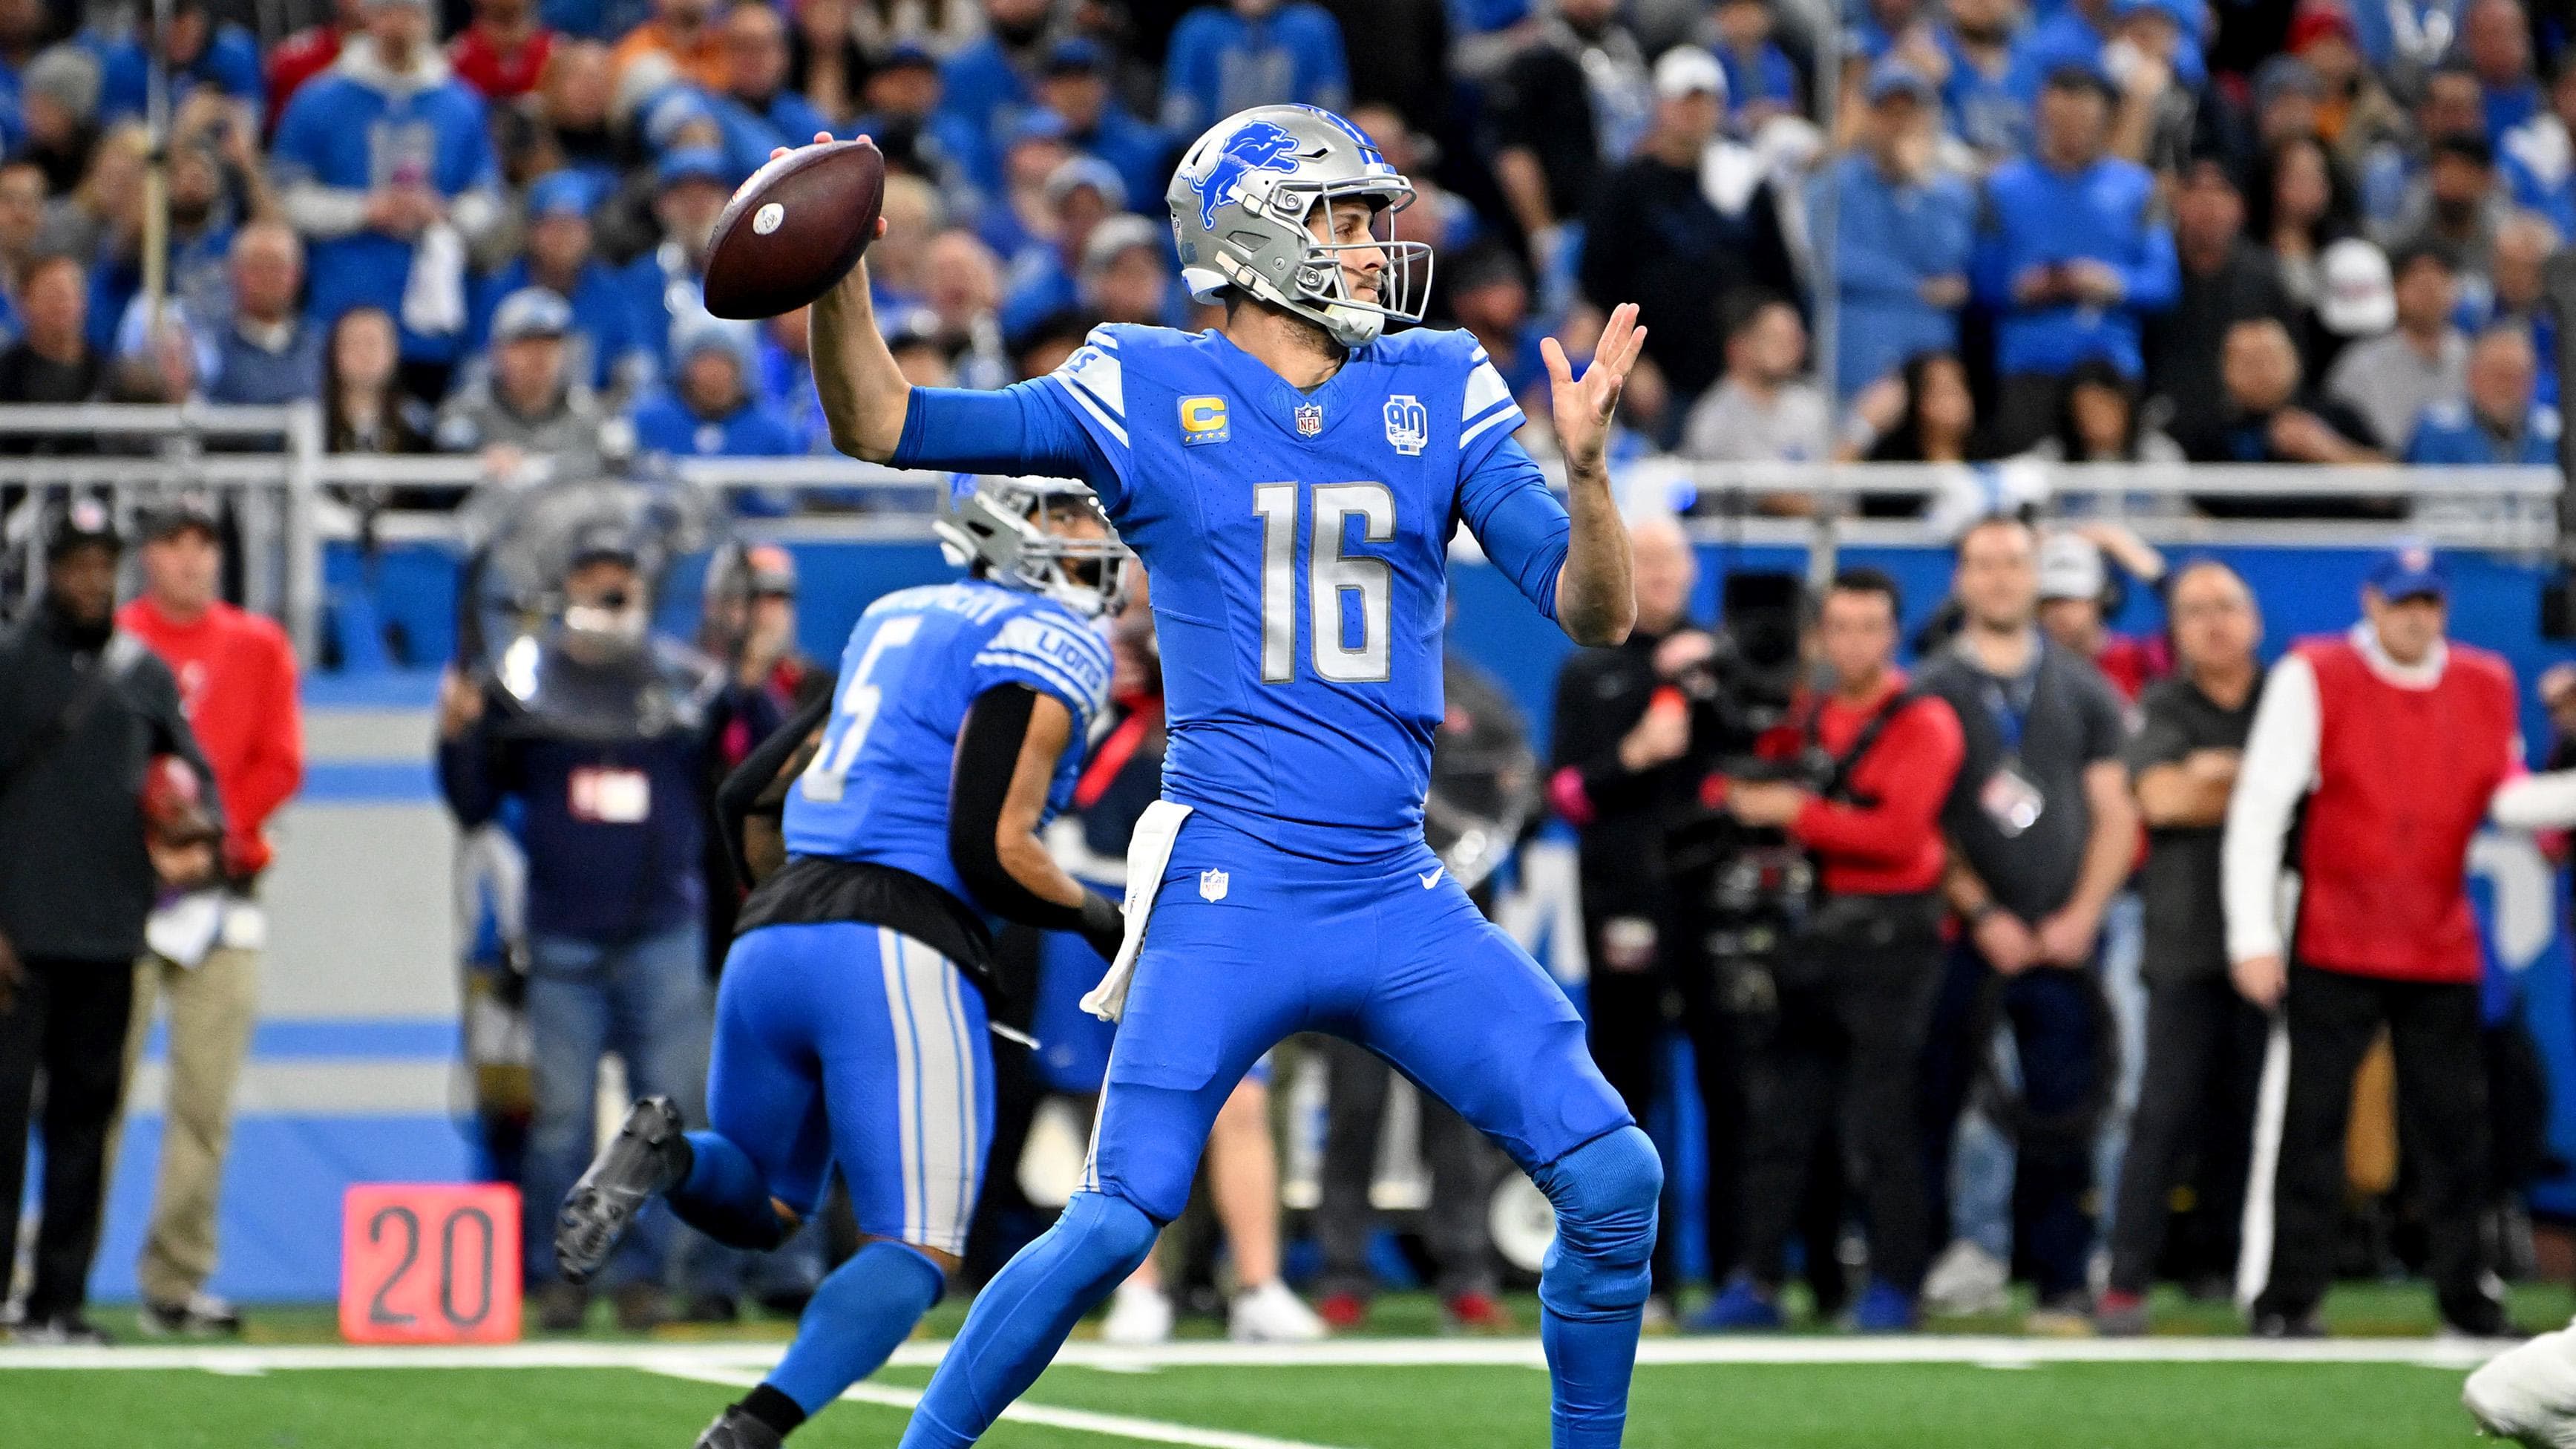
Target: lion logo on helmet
1258	146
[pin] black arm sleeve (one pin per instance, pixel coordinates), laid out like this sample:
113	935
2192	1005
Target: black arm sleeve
739	797
988	752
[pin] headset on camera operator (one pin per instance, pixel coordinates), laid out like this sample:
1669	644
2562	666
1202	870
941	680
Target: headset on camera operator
1863	766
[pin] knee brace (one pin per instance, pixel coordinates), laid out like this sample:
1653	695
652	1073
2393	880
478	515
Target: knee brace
1605	1194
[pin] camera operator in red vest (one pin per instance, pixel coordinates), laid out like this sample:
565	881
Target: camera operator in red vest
2398	742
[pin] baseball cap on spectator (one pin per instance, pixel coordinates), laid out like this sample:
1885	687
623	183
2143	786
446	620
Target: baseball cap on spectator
1080	171
1688	70
2466	146
772	570
1893	77
2422	249
907	55
2287	73
561	193
67	76
531	312
2083	73
79	524
1117	234
174	516
2409	571
692	163
1075	53
2317	20
2356	292
665	113
2170	9
704	333
604	542
2070	567
1037	124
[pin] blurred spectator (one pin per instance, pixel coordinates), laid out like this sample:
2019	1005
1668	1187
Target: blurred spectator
362	410
2516	281
2042	834
903	115
2076	596
783	382
666	284
196	251
2265	417
23	24
503	52
308	53
1018	215
1082	193
2496	422
2073	256
52	360
2448	102
985	83
914	211
2102	422
2356	112
2204	1044
614	930
1760	80
2495	39
1661	237
387	225
2155	112
571	111
1244	53
1622	762
757	107
2456	205
2081	33
200	50
606	356
962	285
707	409
1572	101
1124	277
1437	216
685	33
1924	414
2299	208
825	62
747	625
1979	93
2538	157
84	716
2225	280
1490	297
2356	300
267	352
58	96
1841	1058
1074	83
1903	232
2390	380
2384	937
236	675
920	353
1761	411
529	407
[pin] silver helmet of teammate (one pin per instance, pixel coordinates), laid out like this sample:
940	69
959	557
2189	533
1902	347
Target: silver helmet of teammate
1243	210
1008	529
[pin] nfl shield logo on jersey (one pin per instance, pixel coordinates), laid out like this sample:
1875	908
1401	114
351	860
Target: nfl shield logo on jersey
1310	419
1212	885
1408	424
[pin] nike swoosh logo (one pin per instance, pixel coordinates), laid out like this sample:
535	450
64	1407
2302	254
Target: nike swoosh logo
1433	879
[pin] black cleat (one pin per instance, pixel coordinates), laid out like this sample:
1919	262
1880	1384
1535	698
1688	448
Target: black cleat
734	1429
647	1156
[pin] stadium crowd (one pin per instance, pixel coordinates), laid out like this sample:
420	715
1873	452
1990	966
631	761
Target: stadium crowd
479	226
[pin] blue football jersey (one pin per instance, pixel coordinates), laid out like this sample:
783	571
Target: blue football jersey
1298	543
877	790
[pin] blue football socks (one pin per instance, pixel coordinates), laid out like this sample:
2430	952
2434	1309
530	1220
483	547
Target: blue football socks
864	1310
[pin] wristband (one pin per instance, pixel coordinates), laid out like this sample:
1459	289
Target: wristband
1104	925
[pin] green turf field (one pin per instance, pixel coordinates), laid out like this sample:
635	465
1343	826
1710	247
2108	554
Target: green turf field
1984	1392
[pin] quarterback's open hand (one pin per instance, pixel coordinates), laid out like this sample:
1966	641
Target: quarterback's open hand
1583	405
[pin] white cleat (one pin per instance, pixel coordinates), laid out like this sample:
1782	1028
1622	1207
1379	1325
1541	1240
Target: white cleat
1967	1280
1139	1317
1272	1314
2528	1392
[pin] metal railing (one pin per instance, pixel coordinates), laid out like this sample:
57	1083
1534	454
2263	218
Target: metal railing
288	498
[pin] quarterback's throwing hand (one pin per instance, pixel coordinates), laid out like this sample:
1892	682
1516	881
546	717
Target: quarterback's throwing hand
1583	405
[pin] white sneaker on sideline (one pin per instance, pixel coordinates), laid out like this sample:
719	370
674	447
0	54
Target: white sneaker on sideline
1965	1280
1272	1314
2528	1392
1139	1317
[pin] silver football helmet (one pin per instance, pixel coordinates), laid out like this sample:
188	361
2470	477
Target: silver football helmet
1242	201
1000	524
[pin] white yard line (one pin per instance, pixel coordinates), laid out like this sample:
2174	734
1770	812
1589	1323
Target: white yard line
1117	1426
2450	1353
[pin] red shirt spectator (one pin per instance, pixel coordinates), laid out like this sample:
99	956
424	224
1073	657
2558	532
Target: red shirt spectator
503	52
1885	839
236	677
305	54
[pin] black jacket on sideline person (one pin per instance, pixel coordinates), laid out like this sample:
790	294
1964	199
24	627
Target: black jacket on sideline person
78	884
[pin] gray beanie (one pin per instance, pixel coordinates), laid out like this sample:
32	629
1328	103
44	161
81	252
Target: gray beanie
69	77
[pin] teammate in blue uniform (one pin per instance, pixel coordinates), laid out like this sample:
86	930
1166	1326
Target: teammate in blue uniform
850	1027
1292	481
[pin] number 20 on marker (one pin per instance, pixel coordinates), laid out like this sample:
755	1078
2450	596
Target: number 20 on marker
430	1263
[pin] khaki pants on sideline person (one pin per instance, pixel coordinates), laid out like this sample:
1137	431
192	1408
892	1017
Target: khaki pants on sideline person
212	1008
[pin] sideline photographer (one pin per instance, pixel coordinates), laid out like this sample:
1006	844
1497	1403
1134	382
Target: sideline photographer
1868	765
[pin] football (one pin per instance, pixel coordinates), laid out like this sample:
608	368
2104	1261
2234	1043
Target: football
794	229
174	803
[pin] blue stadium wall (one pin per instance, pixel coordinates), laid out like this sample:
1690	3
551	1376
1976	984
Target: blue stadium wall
354	1075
